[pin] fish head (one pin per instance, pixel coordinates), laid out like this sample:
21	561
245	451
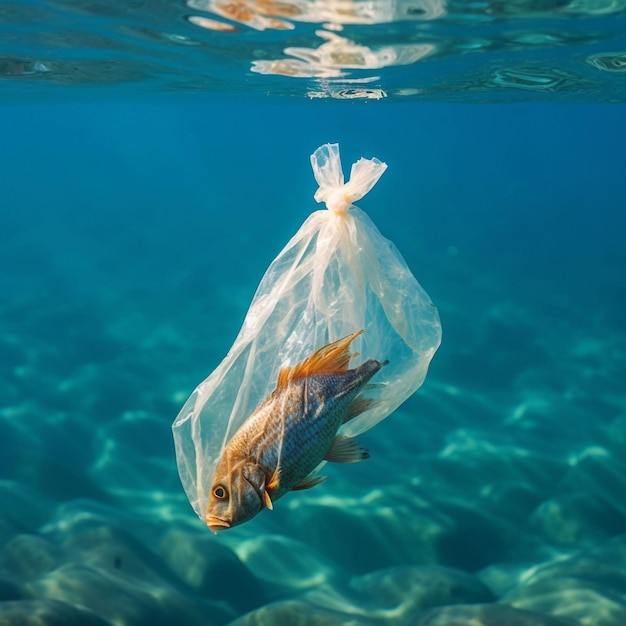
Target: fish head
237	493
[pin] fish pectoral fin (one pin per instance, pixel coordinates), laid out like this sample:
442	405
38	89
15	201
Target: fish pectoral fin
273	483
358	406
310	481
346	450
268	486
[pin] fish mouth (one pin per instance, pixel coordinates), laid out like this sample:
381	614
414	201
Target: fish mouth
215	524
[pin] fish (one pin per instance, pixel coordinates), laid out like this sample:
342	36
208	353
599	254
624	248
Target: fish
279	446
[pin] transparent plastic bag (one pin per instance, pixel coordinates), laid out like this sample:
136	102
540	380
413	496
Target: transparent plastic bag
337	275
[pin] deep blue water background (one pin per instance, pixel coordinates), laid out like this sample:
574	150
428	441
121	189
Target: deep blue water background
141	191
133	234
535	185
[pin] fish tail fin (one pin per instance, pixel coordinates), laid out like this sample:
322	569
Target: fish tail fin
331	358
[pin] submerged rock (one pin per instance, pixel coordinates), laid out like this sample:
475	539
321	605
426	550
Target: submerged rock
26	557
47	613
401	592
286	567
573	518
589	587
503	577
300	613
420	586
588	506
124	599
394	595
211	569
487	615
581	600
365	527
86	559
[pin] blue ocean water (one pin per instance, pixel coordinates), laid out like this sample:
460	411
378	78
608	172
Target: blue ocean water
135	224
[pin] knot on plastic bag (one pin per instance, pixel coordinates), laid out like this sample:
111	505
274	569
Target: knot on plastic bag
337	195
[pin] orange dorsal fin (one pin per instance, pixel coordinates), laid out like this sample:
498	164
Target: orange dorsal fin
331	358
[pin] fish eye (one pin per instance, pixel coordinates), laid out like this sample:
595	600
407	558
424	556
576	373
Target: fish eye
219	492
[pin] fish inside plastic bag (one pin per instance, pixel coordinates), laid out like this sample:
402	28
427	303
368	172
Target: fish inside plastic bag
337	275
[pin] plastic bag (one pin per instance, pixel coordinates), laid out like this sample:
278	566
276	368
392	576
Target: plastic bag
337	275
